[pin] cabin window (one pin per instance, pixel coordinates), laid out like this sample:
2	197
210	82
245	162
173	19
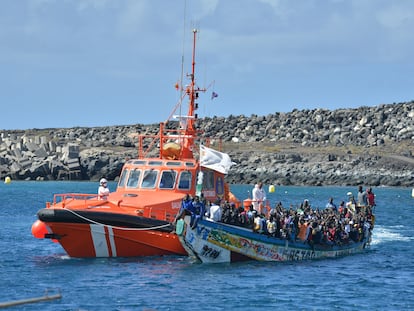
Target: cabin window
185	181
133	178
208	180
168	179
155	163
122	179
173	163
149	179
139	162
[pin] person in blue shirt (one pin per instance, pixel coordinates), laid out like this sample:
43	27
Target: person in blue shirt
193	207
187	208
197	212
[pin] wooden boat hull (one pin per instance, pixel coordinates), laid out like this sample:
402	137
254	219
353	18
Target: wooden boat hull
214	242
94	234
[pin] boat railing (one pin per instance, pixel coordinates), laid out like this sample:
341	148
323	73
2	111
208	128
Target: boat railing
148	142
65	198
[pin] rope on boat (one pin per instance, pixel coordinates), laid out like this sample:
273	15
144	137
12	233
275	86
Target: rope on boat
116	227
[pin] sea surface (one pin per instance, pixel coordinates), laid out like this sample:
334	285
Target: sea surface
382	278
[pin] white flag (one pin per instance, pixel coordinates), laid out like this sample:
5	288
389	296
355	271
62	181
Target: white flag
215	160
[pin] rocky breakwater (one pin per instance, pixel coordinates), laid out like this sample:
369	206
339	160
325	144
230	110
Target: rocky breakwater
65	154
368	145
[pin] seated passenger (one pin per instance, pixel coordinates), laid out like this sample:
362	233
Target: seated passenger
187	208
260	223
215	211
303	226
198	212
250	216
351	204
242	216
271	226
226	213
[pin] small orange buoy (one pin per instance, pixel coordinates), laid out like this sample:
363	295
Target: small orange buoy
39	229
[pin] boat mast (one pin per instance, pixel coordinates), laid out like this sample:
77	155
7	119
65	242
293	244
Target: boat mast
192	91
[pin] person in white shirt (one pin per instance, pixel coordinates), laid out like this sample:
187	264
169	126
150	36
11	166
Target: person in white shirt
215	211
259	197
103	190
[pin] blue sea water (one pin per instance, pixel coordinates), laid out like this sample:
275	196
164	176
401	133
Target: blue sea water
380	279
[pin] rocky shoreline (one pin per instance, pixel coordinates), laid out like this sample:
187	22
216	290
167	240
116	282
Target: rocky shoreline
368	145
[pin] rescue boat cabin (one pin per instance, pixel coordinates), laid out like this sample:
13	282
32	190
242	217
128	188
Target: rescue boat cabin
165	179
161	175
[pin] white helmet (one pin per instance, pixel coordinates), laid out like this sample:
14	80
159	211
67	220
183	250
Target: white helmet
103	181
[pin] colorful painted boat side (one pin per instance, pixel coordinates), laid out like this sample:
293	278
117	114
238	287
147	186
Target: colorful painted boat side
216	242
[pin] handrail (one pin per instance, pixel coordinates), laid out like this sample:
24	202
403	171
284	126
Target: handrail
63	197
158	212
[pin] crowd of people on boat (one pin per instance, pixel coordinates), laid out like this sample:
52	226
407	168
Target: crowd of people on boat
349	222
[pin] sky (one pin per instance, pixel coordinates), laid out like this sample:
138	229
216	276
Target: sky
68	63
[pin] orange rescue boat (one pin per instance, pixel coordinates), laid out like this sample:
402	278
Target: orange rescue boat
137	219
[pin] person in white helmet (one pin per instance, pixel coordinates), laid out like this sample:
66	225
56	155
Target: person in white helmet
103	190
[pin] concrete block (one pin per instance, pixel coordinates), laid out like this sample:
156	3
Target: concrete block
25	163
41	153
19	145
3	147
40	168
25	140
17	153
3	160
15	167
73	151
43	140
52	146
32	146
73	164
